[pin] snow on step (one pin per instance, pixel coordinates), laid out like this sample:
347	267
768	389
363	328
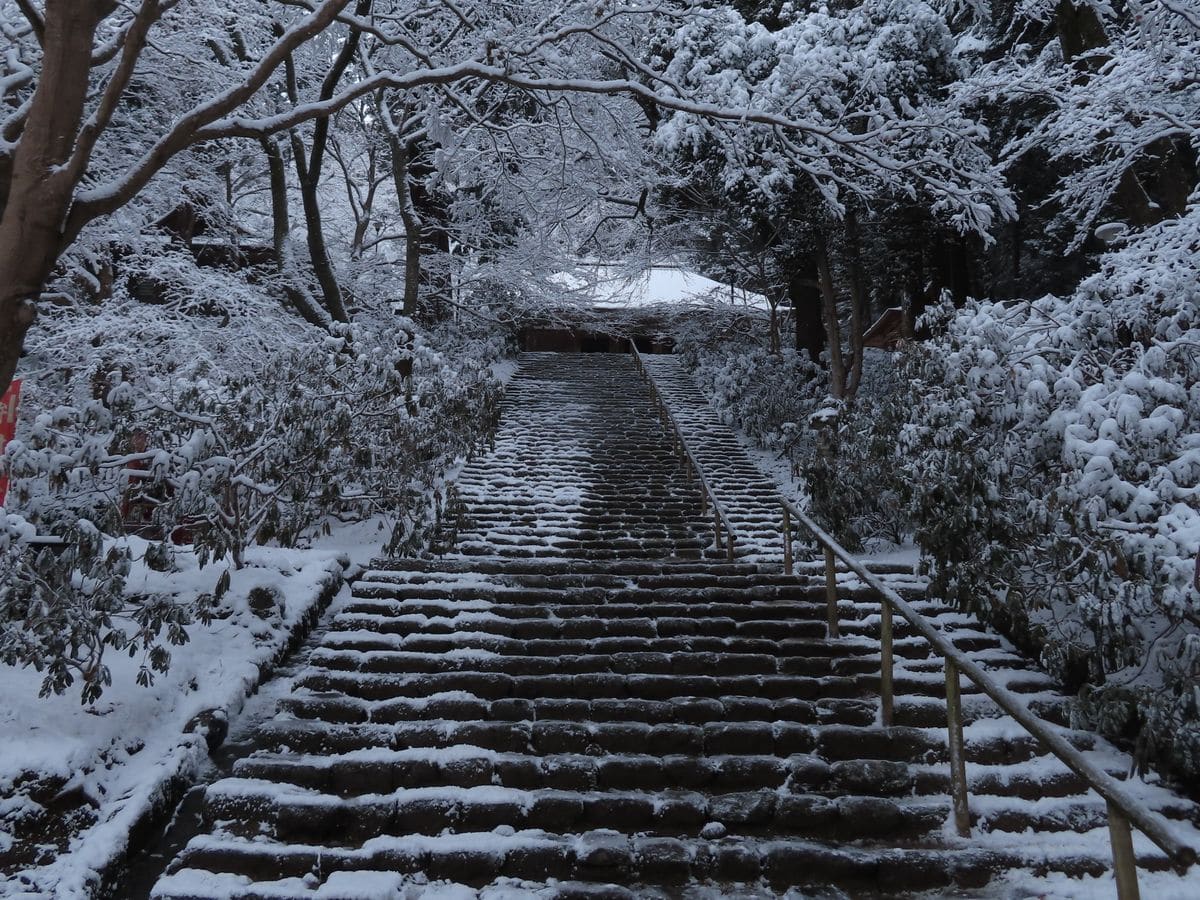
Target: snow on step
584	700
749	496
610	731
580	469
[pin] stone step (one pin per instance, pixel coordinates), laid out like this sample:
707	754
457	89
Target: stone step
782	739
518	567
648	546
785	605
808	583
381	771
540	622
297	815
597	858
385	706
488	549
592	637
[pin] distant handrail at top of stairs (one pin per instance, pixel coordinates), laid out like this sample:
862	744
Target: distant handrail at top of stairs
721	521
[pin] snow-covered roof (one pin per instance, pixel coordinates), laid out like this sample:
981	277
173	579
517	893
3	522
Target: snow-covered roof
611	287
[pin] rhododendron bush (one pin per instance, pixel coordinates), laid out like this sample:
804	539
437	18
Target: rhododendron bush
190	442
1045	457
1053	461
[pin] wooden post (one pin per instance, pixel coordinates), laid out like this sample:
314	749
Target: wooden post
885	665
729	543
831	597
787	542
1124	862
703	501
958	765
717	528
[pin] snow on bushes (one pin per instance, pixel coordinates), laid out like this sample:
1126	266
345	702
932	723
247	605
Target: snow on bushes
222	452
1052	453
1077	480
780	401
1045	455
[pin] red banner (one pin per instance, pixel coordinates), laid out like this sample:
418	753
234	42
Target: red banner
8	425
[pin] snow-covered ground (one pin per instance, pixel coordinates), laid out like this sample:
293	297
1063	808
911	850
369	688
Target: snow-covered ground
75	779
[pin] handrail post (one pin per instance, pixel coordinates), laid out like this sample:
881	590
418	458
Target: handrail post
1124	862
717	528
831	597
1126	811
886	696
728	542
958	766
787	542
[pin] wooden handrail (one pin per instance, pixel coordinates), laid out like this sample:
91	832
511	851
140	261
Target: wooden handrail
1123	807
720	515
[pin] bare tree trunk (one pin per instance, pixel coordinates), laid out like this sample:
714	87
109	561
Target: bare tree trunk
858	304
412	225
280	218
805	296
309	170
833	330
280	228
318	252
40	186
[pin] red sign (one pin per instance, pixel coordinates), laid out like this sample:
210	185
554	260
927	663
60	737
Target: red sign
8	425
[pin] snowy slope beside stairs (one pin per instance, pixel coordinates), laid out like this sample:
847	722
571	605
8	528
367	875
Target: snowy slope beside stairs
581	704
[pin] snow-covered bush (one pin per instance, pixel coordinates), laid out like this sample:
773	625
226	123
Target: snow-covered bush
765	394
780	401
341	428
1054	450
61	608
188	437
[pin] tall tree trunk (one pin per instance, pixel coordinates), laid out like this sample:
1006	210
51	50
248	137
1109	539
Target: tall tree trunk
773	337
412	225
858	304
433	233
1079	29
40	187
833	330
280	218
805	296
308	170
917	298
280	229
318	252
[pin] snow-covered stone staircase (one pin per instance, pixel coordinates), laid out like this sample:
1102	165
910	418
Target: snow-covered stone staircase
749	497
581	469
567	726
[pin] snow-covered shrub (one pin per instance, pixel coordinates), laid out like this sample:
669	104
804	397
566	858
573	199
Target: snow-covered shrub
765	394
780	401
845	457
191	436
345	427
61	608
1053	451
